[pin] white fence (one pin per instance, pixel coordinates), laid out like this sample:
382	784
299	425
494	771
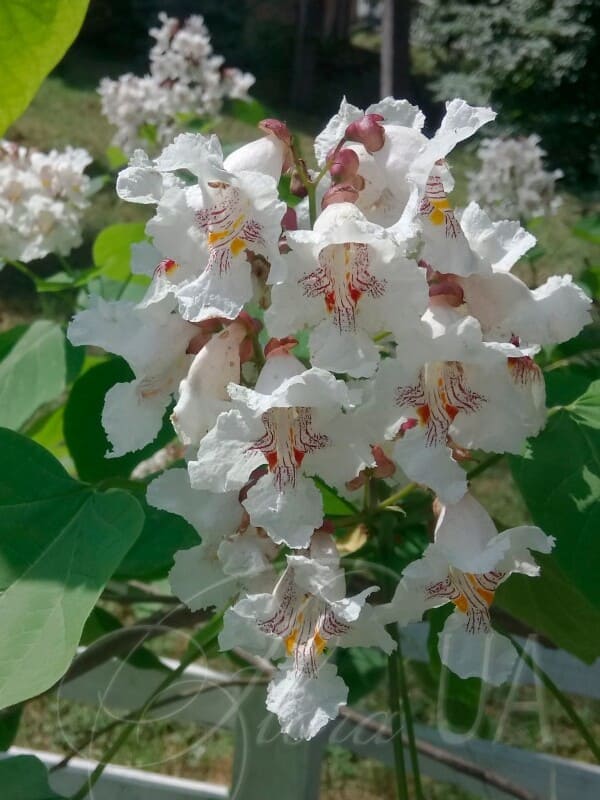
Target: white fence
268	765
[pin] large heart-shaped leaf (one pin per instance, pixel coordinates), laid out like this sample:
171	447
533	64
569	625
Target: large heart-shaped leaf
559	476
34	36
553	606
25	778
60	542
33	371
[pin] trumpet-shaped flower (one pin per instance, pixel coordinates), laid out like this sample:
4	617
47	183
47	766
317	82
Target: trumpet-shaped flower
206	231
155	343
404	155
349	279
453	391
309	614
464	566
292	426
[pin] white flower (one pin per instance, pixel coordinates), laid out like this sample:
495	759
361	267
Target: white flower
349	279
452	391
203	391
464	566
309	613
186	80
230	557
206	231
155	343
404	157
505	307
43	197
511	180
292	425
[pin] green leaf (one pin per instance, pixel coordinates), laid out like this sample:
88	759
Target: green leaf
361	669
116	157
588	228
334	505
48	432
33	372
590	277
552	605
559	477
34	36
10	719
84	434
60	541
249	111
25	778
151	556
112	250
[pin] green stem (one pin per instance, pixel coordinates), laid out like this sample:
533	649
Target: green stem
399	495
396	722
91	781
562	699
312	204
406	708
483	465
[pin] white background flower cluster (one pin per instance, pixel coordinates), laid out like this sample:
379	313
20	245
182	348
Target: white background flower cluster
511	180
42	200
419	349
186	79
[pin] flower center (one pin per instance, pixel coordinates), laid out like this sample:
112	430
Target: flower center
472	594
440	393
227	224
436	207
304	622
342	278
288	438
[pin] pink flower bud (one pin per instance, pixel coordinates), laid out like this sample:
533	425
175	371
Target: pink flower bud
289	221
297	187
368	131
276	128
340	193
344	165
280	347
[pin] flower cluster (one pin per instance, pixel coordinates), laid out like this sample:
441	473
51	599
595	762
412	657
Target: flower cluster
511	180
42	200
186	80
418	347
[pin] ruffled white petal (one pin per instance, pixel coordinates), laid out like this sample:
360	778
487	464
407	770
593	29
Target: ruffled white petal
130	419
199	581
485	655
304	704
288	516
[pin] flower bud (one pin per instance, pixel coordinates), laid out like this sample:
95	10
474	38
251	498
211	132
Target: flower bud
297	187
368	131
344	165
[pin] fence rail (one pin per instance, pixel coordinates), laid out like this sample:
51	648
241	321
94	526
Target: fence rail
267	764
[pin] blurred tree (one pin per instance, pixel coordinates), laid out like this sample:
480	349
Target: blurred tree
538	61
395	48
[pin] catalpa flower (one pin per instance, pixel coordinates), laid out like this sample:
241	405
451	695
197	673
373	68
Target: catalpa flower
292	426
206	231
505	307
348	278
393	153
203	391
464	566
157	344
309	614
232	556
450	392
